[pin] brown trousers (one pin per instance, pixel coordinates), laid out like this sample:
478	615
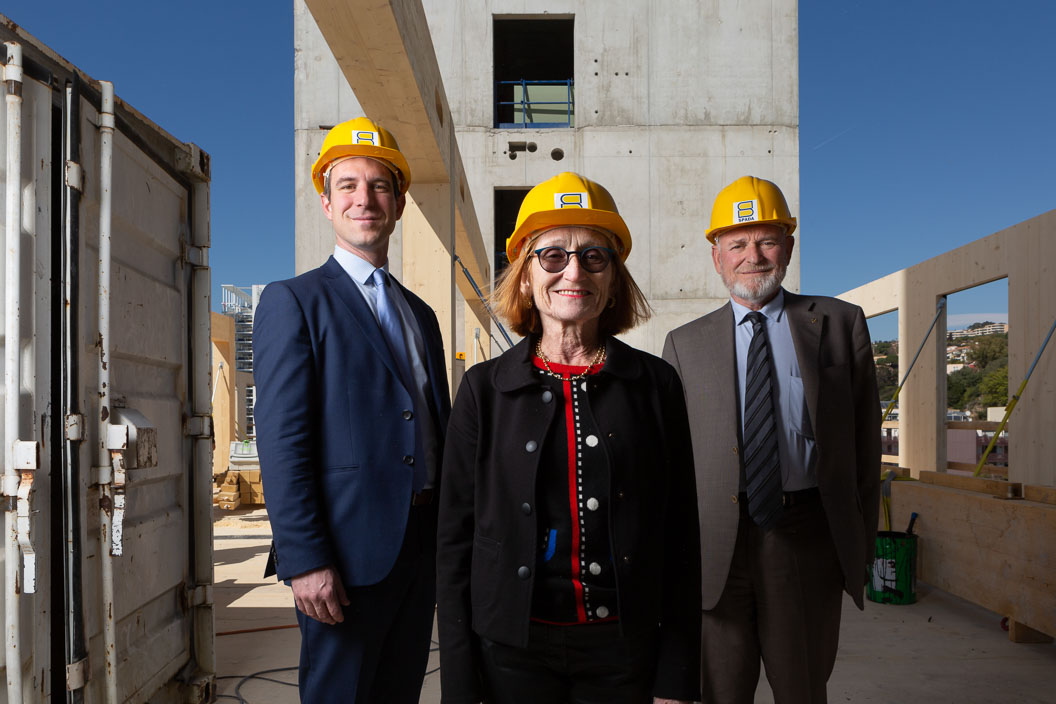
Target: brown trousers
782	604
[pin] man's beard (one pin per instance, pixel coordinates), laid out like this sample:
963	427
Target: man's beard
764	289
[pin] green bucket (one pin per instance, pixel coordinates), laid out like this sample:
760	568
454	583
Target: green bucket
893	574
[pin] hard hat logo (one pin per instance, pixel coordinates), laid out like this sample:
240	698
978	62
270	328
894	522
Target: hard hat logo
746	201
746	211
568	200
367	138
571	200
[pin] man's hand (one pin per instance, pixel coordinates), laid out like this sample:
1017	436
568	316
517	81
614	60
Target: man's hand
320	595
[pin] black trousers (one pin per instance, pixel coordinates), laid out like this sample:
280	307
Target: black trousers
583	664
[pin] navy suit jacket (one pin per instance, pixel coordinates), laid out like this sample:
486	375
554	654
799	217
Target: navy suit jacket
335	425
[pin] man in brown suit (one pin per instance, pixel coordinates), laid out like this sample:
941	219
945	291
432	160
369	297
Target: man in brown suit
785	423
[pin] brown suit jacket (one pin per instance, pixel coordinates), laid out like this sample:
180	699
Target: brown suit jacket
839	380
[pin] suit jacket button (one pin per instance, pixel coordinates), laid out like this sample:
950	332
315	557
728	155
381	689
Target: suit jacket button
619	496
407	415
531	446
526	509
407	459
735	449
626	559
523	572
733	498
548	396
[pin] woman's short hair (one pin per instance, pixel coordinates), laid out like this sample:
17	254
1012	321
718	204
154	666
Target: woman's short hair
627	308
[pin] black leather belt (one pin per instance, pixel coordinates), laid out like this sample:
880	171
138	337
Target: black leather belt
790	498
803	496
423	497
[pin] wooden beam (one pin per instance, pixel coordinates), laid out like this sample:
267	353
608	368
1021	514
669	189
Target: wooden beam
990	469
994	487
386	53
997	554
1041	494
988	425
1019	633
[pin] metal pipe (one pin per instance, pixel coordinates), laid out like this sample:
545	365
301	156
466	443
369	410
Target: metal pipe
12	380
1012	403
201	401
103	458
894	399
72	497
482	300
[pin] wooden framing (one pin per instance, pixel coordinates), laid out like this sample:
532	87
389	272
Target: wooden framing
998	554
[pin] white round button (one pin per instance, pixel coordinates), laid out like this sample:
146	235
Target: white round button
602	611
592	504
595	569
592	441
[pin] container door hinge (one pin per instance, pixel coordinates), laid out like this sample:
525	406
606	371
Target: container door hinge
199	426
75	427
77	675
75	176
199	688
18	489
198	595
197	257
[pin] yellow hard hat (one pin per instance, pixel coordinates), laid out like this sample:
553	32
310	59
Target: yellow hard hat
749	201
568	200
361	137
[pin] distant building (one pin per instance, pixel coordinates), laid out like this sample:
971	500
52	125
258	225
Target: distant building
991	329
240	303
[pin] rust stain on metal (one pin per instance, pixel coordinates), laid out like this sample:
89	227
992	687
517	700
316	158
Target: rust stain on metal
104	413
107	505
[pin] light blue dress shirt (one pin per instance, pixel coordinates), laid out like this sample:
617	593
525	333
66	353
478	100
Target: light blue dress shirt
362	274
795	438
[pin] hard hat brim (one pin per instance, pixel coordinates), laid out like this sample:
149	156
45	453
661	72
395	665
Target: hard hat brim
571	217
788	223
344	151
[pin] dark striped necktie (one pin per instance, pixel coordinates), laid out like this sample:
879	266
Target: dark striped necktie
762	466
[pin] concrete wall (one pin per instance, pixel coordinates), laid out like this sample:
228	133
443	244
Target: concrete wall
1024	254
673	101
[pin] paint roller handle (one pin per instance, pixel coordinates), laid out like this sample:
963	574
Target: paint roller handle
912	520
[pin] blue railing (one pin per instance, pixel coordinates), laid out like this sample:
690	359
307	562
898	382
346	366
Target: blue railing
546	111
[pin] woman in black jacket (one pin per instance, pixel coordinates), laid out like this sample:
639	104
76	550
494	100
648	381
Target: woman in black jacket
568	556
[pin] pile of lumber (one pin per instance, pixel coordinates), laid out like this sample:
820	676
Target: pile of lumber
241	487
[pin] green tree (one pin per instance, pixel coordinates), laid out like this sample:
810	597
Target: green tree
987	349
883	347
994	388
886	380
962	387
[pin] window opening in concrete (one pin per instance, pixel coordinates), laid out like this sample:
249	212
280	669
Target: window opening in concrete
534	73
507	203
977	378
883	329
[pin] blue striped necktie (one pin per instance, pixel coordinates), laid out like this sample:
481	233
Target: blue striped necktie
762	465
392	328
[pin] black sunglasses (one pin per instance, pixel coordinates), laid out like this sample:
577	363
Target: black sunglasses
592	259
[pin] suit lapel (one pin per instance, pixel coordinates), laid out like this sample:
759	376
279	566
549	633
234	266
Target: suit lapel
806	325
352	302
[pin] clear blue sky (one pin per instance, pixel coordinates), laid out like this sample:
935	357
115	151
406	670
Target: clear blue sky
923	125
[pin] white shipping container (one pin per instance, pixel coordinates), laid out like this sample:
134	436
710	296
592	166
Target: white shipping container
107	438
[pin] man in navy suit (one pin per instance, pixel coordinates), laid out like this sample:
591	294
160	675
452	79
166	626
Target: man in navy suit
352	406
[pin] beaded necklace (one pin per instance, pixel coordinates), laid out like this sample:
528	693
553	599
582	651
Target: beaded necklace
599	358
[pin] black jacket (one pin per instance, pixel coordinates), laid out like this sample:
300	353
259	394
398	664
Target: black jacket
488	531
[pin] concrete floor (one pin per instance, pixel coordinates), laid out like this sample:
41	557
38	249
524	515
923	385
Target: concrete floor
941	649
